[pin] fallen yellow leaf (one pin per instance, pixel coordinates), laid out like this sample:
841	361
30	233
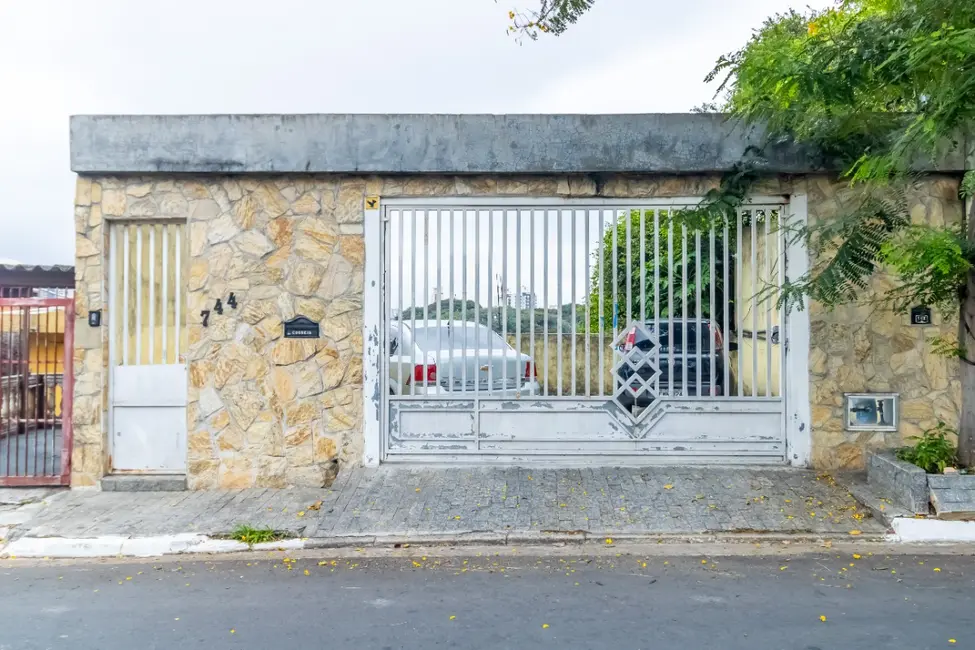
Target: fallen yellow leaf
544	626
315	506
952	641
855	532
668	487
937	569
856	556
452	617
609	540
822	618
306	572
301	513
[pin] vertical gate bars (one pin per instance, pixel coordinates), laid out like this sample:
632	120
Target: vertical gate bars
696	306
32	449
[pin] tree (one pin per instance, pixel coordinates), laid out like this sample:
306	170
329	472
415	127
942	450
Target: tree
668	278
873	86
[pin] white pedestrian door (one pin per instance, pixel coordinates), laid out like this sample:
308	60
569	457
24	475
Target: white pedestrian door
147	321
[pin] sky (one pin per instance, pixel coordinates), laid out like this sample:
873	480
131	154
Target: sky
62	57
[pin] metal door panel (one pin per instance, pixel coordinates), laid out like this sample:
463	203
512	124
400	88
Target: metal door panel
149	439
150	385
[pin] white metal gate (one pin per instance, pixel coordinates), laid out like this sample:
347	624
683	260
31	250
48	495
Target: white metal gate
563	328
147	322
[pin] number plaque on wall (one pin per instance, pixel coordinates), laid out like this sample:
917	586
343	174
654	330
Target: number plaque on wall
920	315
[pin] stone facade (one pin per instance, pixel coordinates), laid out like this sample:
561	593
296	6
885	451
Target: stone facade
867	348
89	417
271	412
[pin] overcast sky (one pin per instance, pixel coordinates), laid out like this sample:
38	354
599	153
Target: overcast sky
62	57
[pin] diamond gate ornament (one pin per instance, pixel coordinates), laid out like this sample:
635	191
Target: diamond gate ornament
637	369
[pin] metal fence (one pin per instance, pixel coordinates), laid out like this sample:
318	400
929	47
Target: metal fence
36	341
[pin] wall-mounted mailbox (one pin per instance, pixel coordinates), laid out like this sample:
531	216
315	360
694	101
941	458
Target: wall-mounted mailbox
301	327
920	315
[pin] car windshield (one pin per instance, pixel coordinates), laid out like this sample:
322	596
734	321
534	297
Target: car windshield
457	336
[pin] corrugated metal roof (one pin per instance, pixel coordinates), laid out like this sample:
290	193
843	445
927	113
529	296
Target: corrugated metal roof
31	268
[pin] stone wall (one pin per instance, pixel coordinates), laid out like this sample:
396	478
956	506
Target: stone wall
267	411
867	348
89	458
273	412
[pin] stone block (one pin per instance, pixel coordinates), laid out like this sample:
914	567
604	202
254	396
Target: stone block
903	483
144	483
953	495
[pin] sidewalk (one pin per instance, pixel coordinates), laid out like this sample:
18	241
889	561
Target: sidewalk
449	505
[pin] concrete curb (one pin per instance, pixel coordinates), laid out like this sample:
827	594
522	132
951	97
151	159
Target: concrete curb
936	531
186	543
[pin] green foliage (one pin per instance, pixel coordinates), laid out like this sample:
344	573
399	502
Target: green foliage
624	269
933	263
872	86
946	346
968	185
848	248
870	83
250	535
932	451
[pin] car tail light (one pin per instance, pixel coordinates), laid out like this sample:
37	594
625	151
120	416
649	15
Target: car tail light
630	340
425	372
718	337
531	372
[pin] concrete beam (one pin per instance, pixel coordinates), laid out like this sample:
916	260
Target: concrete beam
424	144
404	144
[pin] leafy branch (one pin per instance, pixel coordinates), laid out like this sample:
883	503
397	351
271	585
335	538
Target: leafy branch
551	17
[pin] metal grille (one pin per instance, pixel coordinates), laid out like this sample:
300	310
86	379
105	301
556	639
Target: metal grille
634	311
35	390
148	327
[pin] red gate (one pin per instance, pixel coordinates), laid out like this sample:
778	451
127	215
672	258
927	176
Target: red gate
36	382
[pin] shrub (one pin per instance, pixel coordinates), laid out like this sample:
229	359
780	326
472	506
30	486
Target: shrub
932	451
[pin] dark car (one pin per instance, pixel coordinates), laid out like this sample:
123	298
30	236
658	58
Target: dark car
677	361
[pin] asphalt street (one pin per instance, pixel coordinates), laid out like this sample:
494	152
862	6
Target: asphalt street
828	600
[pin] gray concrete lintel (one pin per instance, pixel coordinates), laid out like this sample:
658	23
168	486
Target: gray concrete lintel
423	144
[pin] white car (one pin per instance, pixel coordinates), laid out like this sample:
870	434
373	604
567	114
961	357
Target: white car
457	358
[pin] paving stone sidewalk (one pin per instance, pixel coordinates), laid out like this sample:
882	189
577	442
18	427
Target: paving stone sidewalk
392	501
